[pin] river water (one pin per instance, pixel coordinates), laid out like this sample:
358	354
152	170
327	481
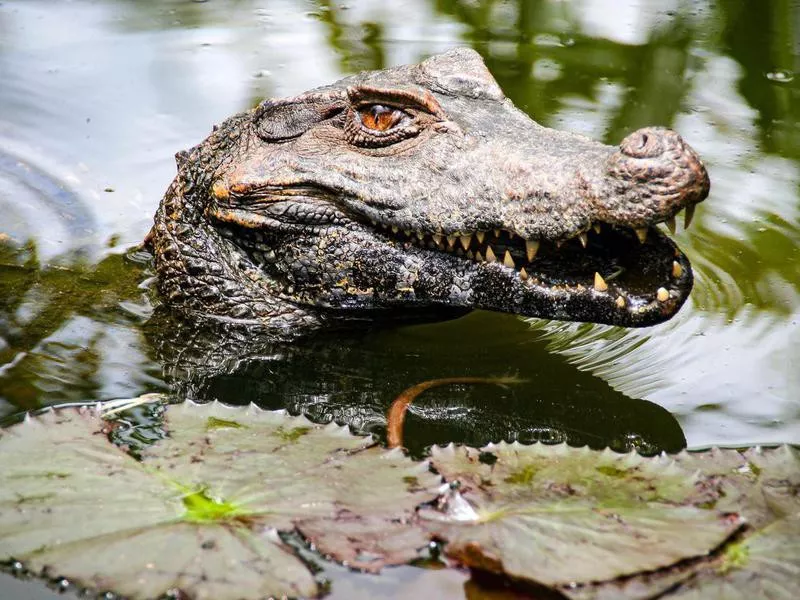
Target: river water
97	96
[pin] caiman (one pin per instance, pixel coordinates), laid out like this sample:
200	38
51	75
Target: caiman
421	192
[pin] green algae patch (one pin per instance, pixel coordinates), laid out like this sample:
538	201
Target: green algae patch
734	557
200	508
216	423
292	435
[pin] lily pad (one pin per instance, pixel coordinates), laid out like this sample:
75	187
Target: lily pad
763	561
201	512
564	517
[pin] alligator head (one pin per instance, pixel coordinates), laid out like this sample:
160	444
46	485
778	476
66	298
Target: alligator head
418	190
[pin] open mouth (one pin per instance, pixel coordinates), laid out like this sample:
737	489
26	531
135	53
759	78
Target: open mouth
639	275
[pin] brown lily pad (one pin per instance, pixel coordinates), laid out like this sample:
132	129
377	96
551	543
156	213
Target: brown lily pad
202	512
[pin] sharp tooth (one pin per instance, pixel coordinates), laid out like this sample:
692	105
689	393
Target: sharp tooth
671	225
439	239
620	302
459	252
465	241
662	294
479	257
597	228
490	257
451	241
599	283
523	274
531	248
584	239
407	232
420	235
508	261
374	223
496	233
395	229
470	255
511	235
688	216
641	233
677	269
480	235
559	243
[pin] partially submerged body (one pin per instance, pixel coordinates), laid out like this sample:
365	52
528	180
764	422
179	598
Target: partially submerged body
419	192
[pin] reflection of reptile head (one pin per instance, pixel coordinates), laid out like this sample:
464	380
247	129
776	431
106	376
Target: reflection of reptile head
398	192
353	377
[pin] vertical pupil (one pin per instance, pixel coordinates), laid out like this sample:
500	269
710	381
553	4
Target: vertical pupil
380	117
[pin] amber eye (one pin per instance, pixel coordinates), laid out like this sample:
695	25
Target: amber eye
379	117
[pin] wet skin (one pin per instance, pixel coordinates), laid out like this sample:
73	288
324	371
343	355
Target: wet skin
417	193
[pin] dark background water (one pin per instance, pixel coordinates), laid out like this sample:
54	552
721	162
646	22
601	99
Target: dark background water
96	97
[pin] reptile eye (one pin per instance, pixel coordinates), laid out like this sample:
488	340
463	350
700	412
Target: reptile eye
379	117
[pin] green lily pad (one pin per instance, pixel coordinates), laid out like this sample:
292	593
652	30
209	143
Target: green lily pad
564	517
201	512
763	561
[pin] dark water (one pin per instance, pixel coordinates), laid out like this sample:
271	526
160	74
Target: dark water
96	96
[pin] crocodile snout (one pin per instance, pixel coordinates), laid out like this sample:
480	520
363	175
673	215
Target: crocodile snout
654	175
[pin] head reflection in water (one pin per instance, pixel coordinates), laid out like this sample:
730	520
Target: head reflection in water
354	379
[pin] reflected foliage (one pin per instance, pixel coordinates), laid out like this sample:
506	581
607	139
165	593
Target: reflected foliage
52	321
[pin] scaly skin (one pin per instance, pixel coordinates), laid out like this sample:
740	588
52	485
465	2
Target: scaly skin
420	192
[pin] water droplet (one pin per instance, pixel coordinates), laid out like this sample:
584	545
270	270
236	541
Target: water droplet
780	76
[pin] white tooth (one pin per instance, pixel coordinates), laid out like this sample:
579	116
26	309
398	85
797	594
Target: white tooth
451	241
496	233
479	257
465	241
523	274
395	229
508	261
620	302
599	283
531	247
420	235
511	235
470	255
688	216
584	239
597	228
641	233
490	257
662	294
671	225
407	232
439	239
480	235
677	269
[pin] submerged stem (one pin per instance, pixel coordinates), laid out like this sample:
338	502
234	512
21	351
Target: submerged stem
397	411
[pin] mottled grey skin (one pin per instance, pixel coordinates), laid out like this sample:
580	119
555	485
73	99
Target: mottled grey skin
296	216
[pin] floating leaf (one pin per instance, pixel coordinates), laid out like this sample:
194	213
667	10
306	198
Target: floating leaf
202	511
560	516
762	562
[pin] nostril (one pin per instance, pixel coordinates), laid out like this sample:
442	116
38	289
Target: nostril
645	143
